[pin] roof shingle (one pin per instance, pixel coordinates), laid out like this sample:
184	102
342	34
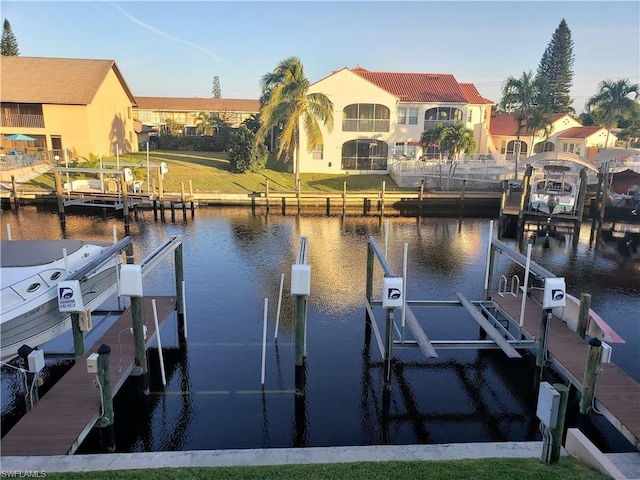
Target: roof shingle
579	132
63	81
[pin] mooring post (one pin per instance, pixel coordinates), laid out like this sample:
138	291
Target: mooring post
14	188
105	423
558	431
173	211
388	348
155	209
590	375
266	194
284	206
183	200
31	397
328	206
369	280
60	198
541	343
139	336
179	266
583	316
420	200
384	183
464	185
78	336
344	198
582	193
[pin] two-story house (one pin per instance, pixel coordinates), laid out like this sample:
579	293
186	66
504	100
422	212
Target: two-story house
82	104
382	115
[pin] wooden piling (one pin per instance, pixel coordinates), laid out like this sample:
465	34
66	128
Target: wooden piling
173	211
105	423
14	192
524	198
541	343
464	185
266	194
141	349
583	316
78	337
31	397
284	206
420	200
59	197
369	280
155	209
179	267
125	204
590	375
328	206
558	431
492	259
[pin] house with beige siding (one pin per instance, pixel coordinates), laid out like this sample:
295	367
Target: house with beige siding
84	105
154	112
381	115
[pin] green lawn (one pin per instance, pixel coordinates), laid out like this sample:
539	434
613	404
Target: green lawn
211	172
484	469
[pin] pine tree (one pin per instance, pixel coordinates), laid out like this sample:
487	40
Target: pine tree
556	66
9	44
216	91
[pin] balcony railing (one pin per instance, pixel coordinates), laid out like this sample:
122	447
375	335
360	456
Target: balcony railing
364	125
22	120
429	124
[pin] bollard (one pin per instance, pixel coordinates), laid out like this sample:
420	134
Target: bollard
590	375
583	316
558	431
105	423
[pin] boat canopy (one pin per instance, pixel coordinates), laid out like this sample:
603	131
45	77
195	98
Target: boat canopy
27	253
541	158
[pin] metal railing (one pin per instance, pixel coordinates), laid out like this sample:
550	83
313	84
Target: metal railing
21	120
364	125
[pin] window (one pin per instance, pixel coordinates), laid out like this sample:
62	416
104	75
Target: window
398	150
568	147
365	117
411	152
364	154
544	147
413	116
469	116
56	142
128	112
503	147
317	152
402	116
445	115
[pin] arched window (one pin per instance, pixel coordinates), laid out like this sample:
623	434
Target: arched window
364	154
511	149
446	115
365	117
543	147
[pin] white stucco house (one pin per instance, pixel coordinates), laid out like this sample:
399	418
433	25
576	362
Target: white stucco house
381	115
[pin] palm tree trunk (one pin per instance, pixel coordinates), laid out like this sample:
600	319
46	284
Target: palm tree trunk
515	175
296	167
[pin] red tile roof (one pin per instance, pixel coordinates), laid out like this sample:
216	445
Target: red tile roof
579	132
198	104
473	96
506	125
417	87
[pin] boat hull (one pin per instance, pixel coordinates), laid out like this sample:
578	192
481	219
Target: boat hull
44	321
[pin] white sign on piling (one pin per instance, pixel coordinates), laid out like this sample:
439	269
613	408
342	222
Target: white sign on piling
160	355
264	341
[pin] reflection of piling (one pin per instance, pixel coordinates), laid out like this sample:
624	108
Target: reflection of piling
105	423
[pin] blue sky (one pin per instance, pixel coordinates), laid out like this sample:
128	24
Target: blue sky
166	48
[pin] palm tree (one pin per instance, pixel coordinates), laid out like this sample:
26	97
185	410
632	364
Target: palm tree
451	139
204	126
522	96
613	103
538	123
286	102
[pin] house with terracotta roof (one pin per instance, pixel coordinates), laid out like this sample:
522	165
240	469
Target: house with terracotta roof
567	135
81	104
381	115
154	112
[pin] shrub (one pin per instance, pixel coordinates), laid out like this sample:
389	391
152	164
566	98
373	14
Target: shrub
244	154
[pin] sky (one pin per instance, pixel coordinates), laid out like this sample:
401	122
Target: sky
174	49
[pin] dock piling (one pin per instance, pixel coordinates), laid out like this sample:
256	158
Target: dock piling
583	316
105	423
14	192
179	266
558	430
590	375
31	397
78	336
139	335
388	348
542	343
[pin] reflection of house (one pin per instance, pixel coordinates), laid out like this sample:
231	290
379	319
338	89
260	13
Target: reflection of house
566	135
82	104
156	111
381	115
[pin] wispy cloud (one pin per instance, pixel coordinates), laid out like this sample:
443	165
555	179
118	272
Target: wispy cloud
206	52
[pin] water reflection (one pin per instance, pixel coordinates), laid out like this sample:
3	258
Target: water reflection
234	259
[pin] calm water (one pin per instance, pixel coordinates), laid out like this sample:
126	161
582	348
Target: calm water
233	260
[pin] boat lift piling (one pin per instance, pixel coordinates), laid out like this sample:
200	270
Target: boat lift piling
105	422
300	289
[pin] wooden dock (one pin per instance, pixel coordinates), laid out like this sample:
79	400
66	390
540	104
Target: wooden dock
62	419
617	394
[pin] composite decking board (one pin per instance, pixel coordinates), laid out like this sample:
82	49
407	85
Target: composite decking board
616	390
56	422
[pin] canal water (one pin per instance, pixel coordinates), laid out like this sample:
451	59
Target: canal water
233	260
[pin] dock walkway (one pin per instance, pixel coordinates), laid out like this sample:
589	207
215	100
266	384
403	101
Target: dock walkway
617	395
63	417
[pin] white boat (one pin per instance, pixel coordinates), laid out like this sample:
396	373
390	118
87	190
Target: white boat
555	193
29	275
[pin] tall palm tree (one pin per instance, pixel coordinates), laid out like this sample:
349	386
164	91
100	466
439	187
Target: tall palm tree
613	102
520	97
286	102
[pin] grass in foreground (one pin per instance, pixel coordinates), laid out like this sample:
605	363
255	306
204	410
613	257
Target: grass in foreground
211	172
484	469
